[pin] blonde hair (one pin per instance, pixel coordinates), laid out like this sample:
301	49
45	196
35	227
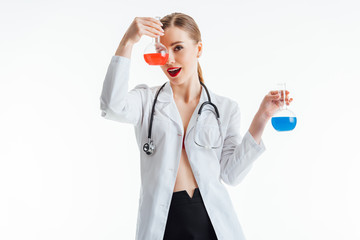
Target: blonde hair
188	24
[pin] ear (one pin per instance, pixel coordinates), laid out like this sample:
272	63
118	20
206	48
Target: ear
199	46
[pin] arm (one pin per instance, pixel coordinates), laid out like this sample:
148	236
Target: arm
257	126
116	103
238	153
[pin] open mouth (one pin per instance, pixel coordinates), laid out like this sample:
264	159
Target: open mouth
173	72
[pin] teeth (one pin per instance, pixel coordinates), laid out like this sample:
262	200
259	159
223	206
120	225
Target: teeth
173	70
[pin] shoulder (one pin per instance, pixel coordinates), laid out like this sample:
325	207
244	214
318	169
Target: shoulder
147	90
229	110
226	102
145	87
152	89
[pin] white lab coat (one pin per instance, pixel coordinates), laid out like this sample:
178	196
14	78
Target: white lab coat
228	164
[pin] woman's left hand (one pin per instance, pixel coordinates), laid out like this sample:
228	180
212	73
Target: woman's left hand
272	102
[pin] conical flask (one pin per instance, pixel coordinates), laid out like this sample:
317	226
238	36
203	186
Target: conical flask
284	119
156	53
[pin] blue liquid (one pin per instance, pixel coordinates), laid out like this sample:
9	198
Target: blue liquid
283	123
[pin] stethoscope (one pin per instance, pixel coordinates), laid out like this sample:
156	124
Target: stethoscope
149	147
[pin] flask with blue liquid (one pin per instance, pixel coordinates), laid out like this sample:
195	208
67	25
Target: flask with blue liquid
284	119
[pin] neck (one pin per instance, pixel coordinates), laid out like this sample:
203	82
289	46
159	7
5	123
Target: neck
188	91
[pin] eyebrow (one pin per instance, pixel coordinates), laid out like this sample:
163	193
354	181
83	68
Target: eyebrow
176	43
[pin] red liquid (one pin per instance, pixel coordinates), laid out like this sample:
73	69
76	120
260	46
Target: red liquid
156	58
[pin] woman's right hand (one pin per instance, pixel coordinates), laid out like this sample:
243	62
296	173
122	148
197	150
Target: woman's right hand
143	26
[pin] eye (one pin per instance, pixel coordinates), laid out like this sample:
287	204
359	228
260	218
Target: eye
177	48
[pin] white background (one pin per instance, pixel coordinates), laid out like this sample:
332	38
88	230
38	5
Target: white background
67	173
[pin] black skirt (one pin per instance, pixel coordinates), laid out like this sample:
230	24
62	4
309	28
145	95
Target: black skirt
188	219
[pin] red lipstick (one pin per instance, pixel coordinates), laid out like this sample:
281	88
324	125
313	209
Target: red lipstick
173	72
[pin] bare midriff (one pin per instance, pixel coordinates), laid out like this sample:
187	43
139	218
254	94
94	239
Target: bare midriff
185	179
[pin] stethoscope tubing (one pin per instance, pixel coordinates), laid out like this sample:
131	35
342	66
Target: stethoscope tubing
150	147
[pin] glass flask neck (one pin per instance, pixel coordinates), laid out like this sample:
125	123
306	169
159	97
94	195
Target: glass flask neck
157	39
282	91
284	106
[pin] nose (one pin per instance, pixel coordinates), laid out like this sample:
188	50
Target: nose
171	59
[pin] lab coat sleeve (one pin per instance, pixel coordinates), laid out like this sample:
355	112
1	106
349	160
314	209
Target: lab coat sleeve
116	102
238	154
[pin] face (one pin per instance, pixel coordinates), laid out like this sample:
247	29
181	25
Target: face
183	55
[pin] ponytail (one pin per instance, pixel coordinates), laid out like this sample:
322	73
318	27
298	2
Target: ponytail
200	73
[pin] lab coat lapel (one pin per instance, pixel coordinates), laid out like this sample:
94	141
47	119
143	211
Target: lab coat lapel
168	107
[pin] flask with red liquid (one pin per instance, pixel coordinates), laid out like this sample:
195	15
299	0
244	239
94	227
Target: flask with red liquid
156	53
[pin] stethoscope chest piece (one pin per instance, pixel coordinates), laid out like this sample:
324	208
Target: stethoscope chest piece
149	147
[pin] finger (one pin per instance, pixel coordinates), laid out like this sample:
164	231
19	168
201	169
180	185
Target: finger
277	103
150	33
155	32
279	91
286	96
275	96
289	101
153	25
272	97
152	22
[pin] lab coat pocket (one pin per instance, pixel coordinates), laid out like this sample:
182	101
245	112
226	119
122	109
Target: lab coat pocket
208	140
209	136
206	135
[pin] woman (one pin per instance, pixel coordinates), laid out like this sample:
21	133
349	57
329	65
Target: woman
182	195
